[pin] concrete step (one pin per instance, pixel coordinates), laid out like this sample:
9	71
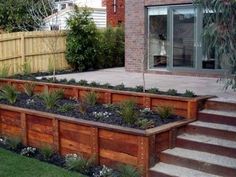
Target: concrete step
218	116
207	144
163	169
201	161
222	131
221	104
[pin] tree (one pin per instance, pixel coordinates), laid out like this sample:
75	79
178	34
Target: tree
82	40
15	15
220	34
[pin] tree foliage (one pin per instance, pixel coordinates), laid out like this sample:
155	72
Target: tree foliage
17	15
82	39
220	34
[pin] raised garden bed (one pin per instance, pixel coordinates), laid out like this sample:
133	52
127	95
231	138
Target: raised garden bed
183	106
111	143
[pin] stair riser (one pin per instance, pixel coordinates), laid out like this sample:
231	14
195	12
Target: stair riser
220	106
217	119
197	165
157	174
191	129
204	147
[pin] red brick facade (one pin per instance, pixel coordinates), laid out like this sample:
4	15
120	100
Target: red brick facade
115	12
135	31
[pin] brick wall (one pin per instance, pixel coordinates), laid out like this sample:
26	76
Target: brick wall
135	31
118	17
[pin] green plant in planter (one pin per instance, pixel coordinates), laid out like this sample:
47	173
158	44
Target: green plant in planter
164	111
72	81
47	152
119	87
82	107
145	123
128	111
172	92
153	90
189	93
139	88
78	163
29	88
128	171
90	98
66	107
50	98
13	142
9	93
83	83
4	72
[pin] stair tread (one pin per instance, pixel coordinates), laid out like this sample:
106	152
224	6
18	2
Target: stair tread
204	157
214	126
175	170
208	140
219	112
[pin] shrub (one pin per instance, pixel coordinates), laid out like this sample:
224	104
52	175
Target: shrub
172	92
128	171
29	88
145	123
119	87
67	107
71	81
25	68
9	93
83	83
153	90
78	163
139	88
46	152
82	40
90	98
189	93
128	111
50	98
13	143
164	111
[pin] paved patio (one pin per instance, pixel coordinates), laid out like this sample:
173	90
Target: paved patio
115	76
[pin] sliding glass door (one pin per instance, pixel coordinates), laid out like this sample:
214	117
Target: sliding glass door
183	36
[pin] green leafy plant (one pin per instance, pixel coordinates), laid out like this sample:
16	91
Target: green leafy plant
128	171
29	88
128	111
4	72
90	98
83	83
119	87
25	68
189	93
72	81
164	111
145	123
94	84
172	92
50	98
78	163
67	107
139	88
9	93
83	107
13	142
47	152
153	90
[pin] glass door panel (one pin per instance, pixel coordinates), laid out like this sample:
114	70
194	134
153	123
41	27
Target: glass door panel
183	42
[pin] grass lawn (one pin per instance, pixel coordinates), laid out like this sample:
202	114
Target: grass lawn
14	165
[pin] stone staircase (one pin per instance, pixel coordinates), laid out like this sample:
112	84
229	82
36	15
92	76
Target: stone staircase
204	148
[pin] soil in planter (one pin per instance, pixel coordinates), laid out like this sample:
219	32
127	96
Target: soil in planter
110	114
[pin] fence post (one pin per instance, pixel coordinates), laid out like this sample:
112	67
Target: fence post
23	47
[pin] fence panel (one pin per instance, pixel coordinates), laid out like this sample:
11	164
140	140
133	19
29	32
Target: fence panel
39	50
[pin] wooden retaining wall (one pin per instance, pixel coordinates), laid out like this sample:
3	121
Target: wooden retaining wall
111	145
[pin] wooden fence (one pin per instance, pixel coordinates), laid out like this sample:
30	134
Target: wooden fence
36	50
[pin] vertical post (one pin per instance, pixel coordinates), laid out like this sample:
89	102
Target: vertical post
192	109
108	97
56	135
146	102
24	129
143	155
94	144
172	138
22	46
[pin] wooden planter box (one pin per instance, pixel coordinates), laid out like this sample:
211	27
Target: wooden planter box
111	145
183	106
